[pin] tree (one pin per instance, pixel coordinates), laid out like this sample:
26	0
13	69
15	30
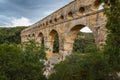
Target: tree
10	35
16	64
112	48
82	67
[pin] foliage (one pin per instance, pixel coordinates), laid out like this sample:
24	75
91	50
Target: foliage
82	67
31	47
10	35
16	64
56	44
112	48
84	43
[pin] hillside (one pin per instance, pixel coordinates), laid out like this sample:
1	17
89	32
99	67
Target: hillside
10	35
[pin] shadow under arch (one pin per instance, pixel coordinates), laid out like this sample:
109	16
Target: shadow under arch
54	41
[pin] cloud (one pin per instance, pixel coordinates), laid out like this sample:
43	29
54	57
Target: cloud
86	30
12	21
20	22
33	10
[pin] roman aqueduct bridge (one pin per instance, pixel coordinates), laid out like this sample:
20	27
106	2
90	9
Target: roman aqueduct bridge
67	22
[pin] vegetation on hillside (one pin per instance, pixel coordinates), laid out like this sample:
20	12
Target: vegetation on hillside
10	35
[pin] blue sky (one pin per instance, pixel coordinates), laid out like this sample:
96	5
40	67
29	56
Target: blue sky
26	12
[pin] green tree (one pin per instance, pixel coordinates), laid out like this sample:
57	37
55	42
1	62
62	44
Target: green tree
112	48
16	64
10	35
84	43
56	44
82	67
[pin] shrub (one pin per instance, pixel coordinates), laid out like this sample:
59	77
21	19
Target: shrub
16	64
82	67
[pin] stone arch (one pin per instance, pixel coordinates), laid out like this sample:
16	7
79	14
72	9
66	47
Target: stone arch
81	11
73	32
50	40
61	17
40	38
70	38
46	23
96	4
70	15
43	24
50	22
55	20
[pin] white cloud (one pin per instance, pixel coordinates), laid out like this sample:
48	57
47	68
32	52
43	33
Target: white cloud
20	22
86	30
13	22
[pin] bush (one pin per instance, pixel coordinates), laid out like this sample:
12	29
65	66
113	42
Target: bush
82	67
16	64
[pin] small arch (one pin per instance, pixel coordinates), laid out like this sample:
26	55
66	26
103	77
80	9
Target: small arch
70	15
82	10
33	35
43	24
55	20
40	34
28	35
40	25
96	5
50	21
25	35
61	17
47	23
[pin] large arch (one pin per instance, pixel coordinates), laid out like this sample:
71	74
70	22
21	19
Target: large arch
73	32
50	42
51	38
70	38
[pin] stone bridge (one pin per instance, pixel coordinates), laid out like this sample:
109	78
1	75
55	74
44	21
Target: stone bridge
67	22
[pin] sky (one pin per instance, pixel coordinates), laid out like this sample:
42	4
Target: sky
26	12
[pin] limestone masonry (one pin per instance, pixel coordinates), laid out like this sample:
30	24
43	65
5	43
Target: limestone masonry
67	22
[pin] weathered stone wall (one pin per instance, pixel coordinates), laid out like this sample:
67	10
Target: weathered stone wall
67	22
